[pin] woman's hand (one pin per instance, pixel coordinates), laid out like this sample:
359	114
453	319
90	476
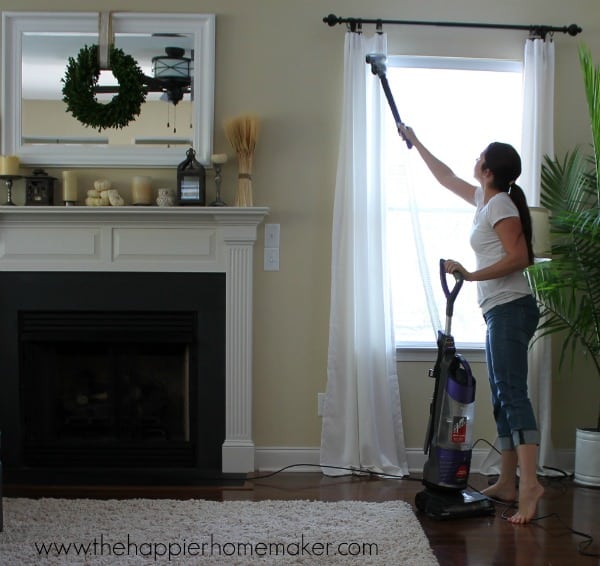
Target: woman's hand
452	266
407	134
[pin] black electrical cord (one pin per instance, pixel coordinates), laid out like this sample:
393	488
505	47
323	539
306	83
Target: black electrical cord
508	505
353	472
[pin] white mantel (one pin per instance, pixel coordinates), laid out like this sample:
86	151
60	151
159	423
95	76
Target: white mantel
175	239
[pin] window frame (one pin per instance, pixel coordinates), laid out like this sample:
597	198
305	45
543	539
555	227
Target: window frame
415	352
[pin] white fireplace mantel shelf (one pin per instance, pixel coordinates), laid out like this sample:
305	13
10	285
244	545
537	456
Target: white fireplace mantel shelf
170	239
127	238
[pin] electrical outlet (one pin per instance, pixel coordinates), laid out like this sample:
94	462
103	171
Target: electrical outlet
271	259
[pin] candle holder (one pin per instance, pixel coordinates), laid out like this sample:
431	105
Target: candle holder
218	201
218	160
39	189
8	181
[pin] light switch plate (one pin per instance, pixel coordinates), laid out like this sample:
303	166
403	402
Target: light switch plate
272	235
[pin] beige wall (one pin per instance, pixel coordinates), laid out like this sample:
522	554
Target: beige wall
277	59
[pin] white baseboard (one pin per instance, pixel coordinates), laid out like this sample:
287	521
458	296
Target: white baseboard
273	458
307	459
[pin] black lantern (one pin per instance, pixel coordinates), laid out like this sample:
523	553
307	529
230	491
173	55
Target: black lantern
39	189
191	181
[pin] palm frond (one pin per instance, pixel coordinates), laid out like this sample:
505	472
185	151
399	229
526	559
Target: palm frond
566	184
591	78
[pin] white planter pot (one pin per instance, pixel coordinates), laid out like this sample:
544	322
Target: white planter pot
587	457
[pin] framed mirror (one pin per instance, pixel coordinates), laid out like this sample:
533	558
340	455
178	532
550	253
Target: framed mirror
36	125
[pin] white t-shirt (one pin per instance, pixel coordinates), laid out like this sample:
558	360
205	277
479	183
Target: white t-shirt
488	250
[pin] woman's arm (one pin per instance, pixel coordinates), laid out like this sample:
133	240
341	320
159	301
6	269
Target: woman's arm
516	257
443	174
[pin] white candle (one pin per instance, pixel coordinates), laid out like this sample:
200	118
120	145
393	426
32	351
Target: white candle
141	190
9	165
70	192
218	158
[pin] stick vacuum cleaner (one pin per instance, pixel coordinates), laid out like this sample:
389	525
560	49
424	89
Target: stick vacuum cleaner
448	442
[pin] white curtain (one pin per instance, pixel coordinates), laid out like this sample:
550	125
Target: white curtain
362	421
538	114
537	141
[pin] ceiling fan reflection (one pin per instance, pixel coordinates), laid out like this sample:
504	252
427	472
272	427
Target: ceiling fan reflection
172	75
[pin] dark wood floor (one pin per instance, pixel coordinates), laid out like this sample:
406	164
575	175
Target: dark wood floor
481	541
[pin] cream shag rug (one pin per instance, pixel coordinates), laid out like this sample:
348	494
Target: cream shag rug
159	531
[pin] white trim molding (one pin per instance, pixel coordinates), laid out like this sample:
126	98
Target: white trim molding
307	459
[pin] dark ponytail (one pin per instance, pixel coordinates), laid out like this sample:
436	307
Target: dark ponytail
505	164
518	197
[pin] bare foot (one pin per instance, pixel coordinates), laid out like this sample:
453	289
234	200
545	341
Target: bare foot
506	492
528	498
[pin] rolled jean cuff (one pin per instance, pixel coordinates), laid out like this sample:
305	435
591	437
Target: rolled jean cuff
525	437
506	443
519	437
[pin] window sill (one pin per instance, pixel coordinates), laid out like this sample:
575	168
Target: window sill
415	354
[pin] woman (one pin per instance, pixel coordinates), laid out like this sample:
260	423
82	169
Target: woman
501	239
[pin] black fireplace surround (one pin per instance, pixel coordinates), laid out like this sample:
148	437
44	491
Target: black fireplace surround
112	377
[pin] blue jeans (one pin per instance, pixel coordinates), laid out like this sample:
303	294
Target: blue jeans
510	327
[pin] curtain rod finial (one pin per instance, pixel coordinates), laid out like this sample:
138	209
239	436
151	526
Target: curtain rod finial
574	29
332	20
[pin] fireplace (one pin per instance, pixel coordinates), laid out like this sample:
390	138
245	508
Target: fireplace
114	370
125	344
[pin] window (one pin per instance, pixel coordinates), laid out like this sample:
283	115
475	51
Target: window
456	107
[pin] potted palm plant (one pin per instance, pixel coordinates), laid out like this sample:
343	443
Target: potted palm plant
568	287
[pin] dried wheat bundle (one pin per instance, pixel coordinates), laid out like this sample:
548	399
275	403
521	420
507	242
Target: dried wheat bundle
242	133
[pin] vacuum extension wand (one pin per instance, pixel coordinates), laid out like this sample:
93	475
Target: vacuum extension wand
377	62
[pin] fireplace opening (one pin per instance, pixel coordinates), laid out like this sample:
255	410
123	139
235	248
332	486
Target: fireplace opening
107	388
109	374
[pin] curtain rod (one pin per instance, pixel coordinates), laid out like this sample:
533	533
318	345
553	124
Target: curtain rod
537	30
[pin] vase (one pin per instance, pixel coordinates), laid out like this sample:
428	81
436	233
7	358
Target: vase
587	457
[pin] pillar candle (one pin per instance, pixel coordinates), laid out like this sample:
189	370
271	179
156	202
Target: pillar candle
141	190
70	186
218	158
9	165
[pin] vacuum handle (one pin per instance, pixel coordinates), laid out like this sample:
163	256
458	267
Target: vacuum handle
388	94
450	294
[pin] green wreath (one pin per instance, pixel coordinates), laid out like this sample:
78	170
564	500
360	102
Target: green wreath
81	80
